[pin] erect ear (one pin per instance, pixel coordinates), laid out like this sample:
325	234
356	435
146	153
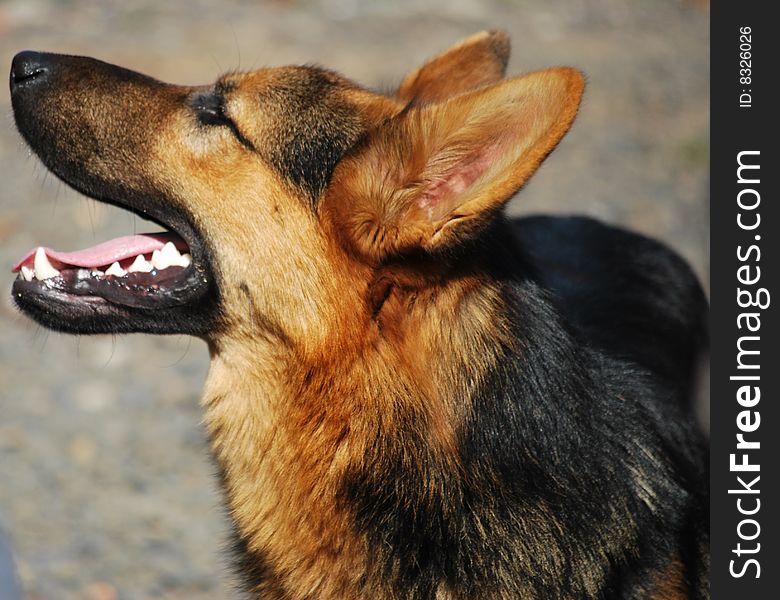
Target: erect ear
435	175
475	62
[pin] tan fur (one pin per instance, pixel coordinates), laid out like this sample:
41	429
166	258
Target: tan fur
671	584
283	449
477	61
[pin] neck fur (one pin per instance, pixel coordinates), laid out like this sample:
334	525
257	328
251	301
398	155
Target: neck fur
287	430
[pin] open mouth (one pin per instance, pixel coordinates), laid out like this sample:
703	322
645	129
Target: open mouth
148	282
142	271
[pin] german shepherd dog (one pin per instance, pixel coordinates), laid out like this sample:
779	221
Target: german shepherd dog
410	395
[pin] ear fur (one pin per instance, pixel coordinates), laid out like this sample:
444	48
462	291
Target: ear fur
477	61
435	175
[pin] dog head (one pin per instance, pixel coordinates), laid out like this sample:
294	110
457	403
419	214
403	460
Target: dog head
295	199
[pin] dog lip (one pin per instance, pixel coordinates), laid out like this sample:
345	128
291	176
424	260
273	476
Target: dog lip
174	286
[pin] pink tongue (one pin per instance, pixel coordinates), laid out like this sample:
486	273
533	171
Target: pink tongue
108	252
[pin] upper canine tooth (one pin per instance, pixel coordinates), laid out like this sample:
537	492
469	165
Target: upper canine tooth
169	248
43	268
116	270
167	256
140	265
27	273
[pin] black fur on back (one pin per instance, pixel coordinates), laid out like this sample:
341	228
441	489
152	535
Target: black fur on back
628	295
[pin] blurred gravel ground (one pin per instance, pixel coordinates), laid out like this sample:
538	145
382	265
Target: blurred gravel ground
106	489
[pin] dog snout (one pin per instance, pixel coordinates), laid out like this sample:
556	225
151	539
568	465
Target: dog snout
29	66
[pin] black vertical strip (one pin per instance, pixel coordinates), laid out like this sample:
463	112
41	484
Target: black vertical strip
745	299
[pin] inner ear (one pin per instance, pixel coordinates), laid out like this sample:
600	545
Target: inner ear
440	187
475	62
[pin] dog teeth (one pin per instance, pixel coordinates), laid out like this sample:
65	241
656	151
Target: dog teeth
27	273
168	256
42	267
116	270
140	265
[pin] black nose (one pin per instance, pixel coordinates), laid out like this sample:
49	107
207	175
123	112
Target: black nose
28	66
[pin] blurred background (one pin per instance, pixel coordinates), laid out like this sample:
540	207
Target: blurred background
106	486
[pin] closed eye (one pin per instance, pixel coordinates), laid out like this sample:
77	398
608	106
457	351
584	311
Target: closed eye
210	109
